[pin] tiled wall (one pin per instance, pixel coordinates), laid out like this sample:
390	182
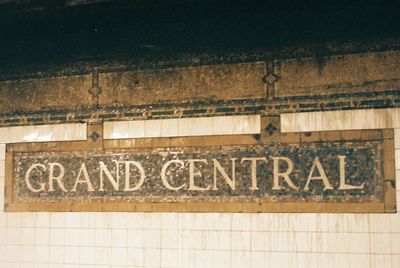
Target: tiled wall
198	240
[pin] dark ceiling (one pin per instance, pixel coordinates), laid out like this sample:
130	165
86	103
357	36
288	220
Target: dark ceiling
34	32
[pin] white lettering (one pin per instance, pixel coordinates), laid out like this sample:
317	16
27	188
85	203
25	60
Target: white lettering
231	181
58	178
83	170
254	169
284	175
28	183
343	185
317	164
164	177
193	174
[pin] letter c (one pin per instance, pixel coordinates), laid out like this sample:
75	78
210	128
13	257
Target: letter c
164	178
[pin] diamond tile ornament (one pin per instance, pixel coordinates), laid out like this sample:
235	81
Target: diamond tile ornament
94	90
270	78
95	136
270	129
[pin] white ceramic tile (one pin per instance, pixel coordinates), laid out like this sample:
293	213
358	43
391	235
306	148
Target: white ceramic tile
398	200
397	138
27	236
258	259
395	261
3	221
395	243
169	128
1	202
13	236
120	130
395	117
87	256
152	128
16	134
87	237
381	243
278	259
187	127
42	236
197	126
302	222
135	238
397	158
240	222
223	240
75	131
337	120
381	260
259	241
12	253
223	125
57	220
352	223
56	254
169	239
4	134
42	220
41	254
136	129
2	151
80	132
101	255
72	237
2	168
152	257
103	237
169	257
281	241
397	179
152	238
220	126
379	223
119	237
359	260
72	256
135	220
44	133
169	221
108	128
152	221
395	222
14	220
58	132
28	253
28	219
57	236
72	220
358	242
136	257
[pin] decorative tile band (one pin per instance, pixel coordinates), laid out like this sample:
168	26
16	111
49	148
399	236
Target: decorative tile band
353	101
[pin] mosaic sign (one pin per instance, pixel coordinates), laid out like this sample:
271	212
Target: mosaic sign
327	172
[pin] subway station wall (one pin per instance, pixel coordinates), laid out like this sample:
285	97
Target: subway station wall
299	76
119	239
